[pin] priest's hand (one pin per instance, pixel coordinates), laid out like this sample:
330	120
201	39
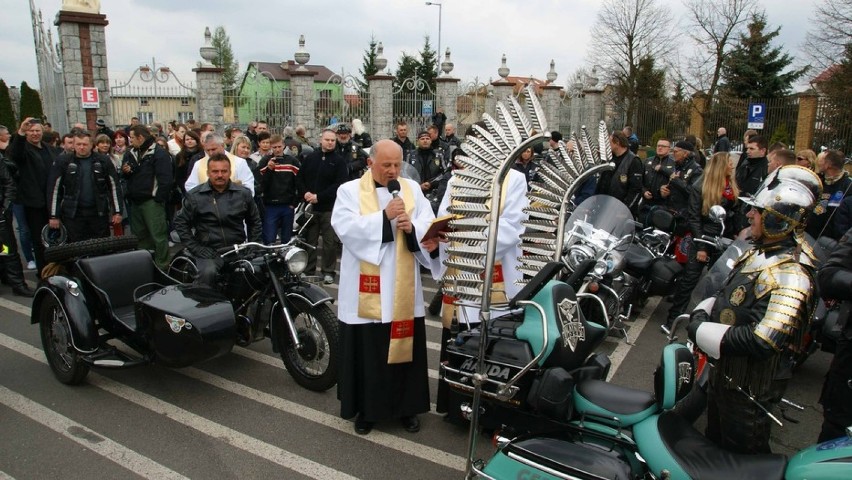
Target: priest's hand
430	245
395	208
403	222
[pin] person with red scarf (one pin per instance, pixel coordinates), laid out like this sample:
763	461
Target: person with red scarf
717	186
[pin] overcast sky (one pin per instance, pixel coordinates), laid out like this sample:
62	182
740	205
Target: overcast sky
478	32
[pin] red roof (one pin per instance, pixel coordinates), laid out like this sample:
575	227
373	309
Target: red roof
826	74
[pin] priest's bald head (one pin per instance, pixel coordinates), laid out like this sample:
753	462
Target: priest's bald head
386	161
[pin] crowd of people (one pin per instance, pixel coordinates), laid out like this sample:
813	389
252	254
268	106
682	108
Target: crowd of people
189	183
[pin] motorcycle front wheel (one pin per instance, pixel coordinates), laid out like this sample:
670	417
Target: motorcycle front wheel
314	365
63	359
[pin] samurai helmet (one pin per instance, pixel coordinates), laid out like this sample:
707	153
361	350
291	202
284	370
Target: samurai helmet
785	199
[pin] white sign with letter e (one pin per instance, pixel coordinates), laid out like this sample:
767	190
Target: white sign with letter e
89	97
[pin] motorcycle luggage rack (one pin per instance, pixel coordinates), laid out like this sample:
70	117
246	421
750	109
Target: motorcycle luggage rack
502	386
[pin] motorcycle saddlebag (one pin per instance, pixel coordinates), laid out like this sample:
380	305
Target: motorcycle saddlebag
662	275
187	324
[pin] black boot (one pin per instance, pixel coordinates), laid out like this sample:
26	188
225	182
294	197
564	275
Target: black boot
435	304
15	275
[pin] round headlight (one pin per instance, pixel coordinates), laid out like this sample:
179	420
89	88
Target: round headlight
297	260
578	254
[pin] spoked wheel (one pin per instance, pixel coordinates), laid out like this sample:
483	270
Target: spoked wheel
63	359
314	365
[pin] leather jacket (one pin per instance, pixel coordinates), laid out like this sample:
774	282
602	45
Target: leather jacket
65	194
219	219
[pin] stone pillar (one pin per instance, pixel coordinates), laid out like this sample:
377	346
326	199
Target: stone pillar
502	89
696	114
381	106
209	98
551	97
806	122
84	62
447	94
593	108
302	100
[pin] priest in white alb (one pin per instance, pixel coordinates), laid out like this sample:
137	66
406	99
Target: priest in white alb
380	219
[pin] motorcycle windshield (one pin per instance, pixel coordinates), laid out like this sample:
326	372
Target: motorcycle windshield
601	221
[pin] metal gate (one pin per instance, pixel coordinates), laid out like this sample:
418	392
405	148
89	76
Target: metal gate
263	100
470	104
413	103
342	99
152	94
50	75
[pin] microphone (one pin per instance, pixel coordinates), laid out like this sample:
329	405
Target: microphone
393	187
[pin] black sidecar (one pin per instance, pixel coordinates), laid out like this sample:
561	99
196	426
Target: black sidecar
121	295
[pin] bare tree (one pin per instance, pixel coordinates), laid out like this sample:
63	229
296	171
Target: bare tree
625	33
713	25
830	33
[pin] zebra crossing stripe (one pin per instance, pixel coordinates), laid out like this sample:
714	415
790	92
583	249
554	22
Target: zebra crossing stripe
244	442
96	442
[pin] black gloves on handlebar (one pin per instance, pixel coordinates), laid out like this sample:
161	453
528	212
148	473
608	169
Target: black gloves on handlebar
201	251
695	320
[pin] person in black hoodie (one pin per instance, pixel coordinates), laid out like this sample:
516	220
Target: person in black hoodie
625	182
324	170
148	170
34	159
281	185
751	170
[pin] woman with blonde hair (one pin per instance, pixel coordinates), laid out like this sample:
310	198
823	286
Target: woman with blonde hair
806	158
716	186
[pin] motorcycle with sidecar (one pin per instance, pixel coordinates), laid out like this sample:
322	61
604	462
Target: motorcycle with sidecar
105	304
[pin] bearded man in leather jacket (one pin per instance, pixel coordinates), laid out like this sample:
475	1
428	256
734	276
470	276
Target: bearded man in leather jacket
221	212
761	310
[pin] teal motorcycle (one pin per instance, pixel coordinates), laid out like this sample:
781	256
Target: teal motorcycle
623	433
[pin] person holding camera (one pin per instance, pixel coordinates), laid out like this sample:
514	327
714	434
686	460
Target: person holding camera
282	189
34	158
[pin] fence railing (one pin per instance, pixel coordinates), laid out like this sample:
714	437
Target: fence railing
275	108
152	103
833	124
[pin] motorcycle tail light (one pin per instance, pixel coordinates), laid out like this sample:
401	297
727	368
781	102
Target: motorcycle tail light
297	260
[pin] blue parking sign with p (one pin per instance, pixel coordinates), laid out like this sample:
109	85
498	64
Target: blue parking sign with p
756	115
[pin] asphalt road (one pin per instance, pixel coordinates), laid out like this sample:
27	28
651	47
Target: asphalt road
242	416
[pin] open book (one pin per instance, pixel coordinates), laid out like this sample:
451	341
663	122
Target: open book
440	224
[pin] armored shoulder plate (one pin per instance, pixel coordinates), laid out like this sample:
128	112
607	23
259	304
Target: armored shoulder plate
790	289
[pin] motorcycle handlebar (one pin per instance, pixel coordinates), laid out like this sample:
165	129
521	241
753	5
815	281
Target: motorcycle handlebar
236	248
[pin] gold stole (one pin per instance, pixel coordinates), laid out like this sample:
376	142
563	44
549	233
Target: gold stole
369	282
498	287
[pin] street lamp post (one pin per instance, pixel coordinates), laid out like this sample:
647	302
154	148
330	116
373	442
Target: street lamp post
440	14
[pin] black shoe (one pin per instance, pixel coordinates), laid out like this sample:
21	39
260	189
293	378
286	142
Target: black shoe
23	291
411	424
363	427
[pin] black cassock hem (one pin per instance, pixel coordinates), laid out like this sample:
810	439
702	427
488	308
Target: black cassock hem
369	386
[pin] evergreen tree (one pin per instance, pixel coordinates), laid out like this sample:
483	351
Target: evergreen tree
368	65
225	58
30	103
7	115
406	70
427	67
755	69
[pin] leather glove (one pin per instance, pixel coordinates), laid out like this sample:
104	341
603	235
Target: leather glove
695	320
203	252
